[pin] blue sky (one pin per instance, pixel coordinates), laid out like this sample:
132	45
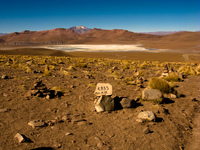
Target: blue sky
132	15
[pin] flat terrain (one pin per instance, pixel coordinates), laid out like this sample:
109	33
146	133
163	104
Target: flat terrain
74	76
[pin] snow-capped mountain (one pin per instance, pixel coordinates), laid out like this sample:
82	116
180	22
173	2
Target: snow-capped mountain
80	29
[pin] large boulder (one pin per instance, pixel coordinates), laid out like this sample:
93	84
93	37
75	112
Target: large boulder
146	116
104	103
151	94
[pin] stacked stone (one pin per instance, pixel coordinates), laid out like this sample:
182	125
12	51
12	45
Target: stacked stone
40	90
165	71
140	82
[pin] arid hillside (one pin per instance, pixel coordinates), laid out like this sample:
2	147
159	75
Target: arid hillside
180	40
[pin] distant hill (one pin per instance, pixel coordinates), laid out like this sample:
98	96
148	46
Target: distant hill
161	32
80	29
178	40
1	34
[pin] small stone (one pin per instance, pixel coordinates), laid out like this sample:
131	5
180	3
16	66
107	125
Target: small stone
146	130
5	95
75	121
172	95
28	94
4	77
36	123
147	115
4	110
82	123
127	103
139	120
20	138
165	71
194	99
115	68
100	144
68	133
65	118
48	96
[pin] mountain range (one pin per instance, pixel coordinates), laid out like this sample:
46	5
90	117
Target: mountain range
83	35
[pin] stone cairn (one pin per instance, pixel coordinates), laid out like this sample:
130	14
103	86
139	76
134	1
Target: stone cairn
40	90
165	71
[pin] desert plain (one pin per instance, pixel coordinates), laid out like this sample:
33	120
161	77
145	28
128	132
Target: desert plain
56	89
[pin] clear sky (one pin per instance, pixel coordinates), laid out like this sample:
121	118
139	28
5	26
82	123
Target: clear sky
132	15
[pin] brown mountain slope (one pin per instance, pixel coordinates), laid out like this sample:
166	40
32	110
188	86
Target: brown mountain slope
115	36
56	35
180	40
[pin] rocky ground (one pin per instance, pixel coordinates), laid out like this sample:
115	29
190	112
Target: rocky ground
57	95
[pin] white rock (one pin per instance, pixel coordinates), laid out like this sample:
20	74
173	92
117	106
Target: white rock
20	138
151	94
147	115
36	123
103	89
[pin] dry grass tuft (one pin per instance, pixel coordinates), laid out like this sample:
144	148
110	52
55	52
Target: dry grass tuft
160	84
172	77
46	71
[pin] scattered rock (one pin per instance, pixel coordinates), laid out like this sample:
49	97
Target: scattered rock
146	130
81	123
36	123
115	68
4	77
139	120
48	96
127	103
75	121
20	138
172	95
68	133
104	103
100	144
146	116
4	110
194	99
151	94
5	95
65	118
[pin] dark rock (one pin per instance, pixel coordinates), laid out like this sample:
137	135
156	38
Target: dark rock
4	77
128	103
104	103
146	130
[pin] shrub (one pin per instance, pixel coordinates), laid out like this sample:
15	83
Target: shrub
190	71
198	68
172	77
81	65
46	71
187	70
28	69
160	84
